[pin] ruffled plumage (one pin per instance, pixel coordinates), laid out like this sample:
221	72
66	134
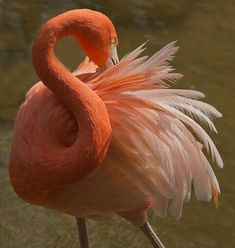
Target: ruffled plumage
151	141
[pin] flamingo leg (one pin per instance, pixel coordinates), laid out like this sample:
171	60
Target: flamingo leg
82	232
151	235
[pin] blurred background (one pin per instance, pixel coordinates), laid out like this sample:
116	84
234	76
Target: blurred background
205	31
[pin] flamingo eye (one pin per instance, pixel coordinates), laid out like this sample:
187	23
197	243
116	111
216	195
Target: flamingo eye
113	41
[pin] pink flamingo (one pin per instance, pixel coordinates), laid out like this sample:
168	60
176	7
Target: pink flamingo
110	137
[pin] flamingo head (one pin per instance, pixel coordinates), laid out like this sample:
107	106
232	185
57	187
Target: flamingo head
97	36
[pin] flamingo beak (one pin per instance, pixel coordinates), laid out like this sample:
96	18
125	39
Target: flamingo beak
113	57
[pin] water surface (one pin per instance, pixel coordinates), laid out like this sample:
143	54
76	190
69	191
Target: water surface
205	32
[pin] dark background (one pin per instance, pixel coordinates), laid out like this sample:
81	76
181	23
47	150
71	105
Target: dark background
205	32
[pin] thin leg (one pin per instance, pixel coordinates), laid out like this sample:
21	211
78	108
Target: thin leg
81	224
151	235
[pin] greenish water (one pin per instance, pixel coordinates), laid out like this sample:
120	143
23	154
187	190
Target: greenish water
205	32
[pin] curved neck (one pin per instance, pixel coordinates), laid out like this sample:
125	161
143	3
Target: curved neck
71	91
90	112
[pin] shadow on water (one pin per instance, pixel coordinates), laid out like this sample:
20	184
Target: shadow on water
205	32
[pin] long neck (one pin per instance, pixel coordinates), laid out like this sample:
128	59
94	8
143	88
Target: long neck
89	110
71	91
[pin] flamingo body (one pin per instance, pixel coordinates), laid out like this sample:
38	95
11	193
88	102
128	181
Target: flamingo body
44	117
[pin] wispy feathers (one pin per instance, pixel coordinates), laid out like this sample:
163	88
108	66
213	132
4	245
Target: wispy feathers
150	141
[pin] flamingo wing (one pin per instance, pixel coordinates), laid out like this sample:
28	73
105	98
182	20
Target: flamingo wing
151	139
